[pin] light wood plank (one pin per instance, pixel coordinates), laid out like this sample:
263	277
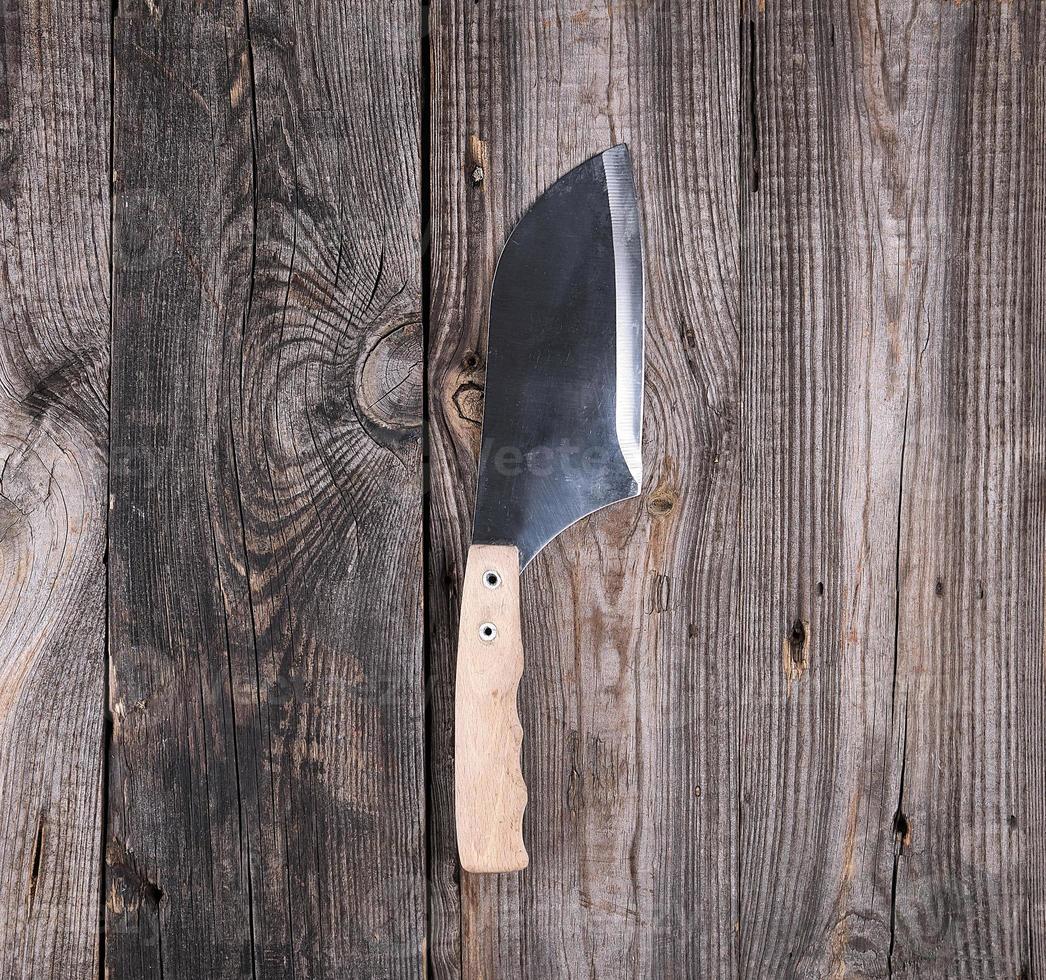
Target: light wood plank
889	593
629	746
54	339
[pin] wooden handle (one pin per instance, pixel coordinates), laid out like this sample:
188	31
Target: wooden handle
489	792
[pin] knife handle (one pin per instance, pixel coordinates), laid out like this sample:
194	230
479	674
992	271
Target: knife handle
489	793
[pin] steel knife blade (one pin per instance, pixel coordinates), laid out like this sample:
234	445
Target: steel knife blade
562	427
563	409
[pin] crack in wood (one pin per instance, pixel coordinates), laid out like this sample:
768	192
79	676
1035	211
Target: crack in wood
35	859
902	838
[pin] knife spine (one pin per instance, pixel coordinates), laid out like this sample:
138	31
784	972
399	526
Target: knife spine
628	281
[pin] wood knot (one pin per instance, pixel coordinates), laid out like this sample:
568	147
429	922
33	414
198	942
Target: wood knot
389	385
75	385
661	502
476	160
796	646
664	496
902	828
129	886
29	487
468	403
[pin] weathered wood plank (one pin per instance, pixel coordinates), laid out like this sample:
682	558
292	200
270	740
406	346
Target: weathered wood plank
266	791
824	392
813	746
971	574
54	338
1027	292
891	606
629	625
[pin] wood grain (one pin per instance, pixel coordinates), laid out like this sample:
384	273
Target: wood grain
54	337
973	620
628	617
891	604
489	793
266	784
785	711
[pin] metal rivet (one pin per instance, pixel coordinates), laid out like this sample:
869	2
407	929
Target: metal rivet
491	579
488	632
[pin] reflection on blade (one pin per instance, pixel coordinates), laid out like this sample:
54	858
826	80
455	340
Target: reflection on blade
562	420
628	275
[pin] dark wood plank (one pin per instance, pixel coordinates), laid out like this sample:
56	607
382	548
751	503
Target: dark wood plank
629	748
266	790
891	605
54	339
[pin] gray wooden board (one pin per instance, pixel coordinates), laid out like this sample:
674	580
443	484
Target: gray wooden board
54	363
856	294
266	795
629	695
784	713
892	363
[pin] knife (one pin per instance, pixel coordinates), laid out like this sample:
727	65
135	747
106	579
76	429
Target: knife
562	424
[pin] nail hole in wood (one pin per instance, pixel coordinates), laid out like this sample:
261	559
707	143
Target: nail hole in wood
488	632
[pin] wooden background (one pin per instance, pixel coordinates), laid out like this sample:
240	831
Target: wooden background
785	713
